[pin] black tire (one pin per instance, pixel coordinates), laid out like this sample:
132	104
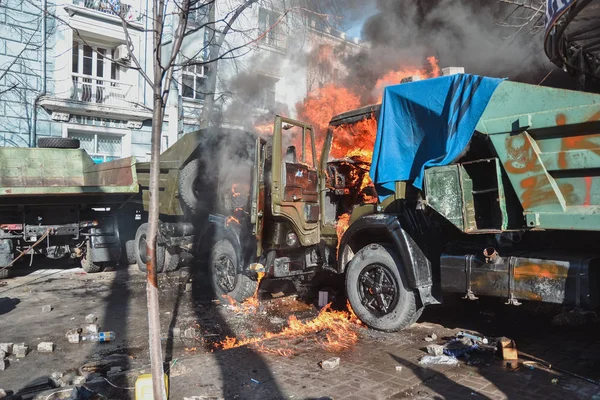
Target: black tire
226	278
87	264
172	260
130	252
193	192
140	250
388	306
58	143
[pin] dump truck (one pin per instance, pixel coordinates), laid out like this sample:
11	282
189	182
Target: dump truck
480	187
56	202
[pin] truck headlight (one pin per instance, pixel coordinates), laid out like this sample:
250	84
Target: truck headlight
291	239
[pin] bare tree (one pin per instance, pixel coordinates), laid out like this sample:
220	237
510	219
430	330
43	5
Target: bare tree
526	15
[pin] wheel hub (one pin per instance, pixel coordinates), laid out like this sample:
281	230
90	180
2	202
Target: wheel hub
225	274
378	289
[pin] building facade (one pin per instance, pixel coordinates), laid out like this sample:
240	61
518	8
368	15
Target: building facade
88	89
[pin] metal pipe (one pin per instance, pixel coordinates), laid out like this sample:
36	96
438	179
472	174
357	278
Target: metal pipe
33	127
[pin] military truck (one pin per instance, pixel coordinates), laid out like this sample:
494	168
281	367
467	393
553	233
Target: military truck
485	188
56	202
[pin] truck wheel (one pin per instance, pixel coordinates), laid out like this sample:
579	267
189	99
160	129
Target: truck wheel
140	250
376	290
226	278
87	264
58	143
192	191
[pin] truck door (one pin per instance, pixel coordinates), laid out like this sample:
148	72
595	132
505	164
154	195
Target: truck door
258	193
294	189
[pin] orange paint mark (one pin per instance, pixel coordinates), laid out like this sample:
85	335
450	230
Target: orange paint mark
523	158
549	271
539	191
561	119
588	191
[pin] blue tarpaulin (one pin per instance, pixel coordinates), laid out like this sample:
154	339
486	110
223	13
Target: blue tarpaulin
426	123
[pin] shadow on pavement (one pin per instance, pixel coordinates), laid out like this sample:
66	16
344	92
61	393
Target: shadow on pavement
7	304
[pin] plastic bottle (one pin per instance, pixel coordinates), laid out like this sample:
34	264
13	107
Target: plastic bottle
99	337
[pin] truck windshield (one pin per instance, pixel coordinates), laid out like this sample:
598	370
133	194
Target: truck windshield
297	150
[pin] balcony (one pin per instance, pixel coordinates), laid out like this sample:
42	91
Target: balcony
103	91
112	8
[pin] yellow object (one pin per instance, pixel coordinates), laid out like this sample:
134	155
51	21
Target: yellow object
143	387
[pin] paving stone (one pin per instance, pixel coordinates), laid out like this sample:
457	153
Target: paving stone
6	347
91	318
45	347
46	308
20	350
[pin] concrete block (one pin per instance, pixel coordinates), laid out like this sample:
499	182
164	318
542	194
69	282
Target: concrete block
176	332
46	308
91	318
3	364
6	347
3	354
435	350
330	364
20	350
190	333
91	328
45	347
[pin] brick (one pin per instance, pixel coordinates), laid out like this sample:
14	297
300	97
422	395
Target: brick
46	308
91	328
6	347
91	318
20	350
45	347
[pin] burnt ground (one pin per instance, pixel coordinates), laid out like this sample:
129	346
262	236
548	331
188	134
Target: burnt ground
368	369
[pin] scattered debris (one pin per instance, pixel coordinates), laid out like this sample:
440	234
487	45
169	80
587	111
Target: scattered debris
81	393
476	338
277	321
3	354
460	347
74	335
79	380
91	328
3	366
438	360
435	350
20	350
330	364
188	287
91	318
190	333
99	337
277	295
45	347
176	332
46	308
398	368
431	338
554	381
6	347
255	381
507	349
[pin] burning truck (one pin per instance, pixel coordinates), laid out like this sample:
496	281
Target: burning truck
474	186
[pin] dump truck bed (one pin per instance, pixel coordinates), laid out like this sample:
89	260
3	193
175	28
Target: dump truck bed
35	173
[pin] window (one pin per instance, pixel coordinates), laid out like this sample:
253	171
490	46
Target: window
270	26
100	147
194	81
267	85
93	69
198	15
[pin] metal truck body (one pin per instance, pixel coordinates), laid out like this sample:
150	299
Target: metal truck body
59	200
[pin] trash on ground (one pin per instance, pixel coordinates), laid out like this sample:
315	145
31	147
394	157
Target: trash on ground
435	349
91	318
460	347
99	337
438	360
330	364
507	349
476	338
398	368
255	381
431	338
81	393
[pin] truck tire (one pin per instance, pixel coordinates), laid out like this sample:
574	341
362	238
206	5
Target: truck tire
376	291
87	264
226	278
171	261
140	250
129	248
191	190
58	143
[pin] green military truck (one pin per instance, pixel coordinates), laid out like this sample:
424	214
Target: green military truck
485	188
56	202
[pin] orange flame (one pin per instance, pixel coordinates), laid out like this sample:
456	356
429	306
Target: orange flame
395	77
338	328
250	305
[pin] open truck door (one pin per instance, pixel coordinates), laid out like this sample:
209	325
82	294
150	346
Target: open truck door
294	189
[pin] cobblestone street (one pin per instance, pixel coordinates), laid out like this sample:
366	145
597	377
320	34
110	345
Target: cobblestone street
368	370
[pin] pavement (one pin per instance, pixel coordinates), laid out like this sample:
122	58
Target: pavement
378	366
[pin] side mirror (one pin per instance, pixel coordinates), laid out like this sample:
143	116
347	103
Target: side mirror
290	155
